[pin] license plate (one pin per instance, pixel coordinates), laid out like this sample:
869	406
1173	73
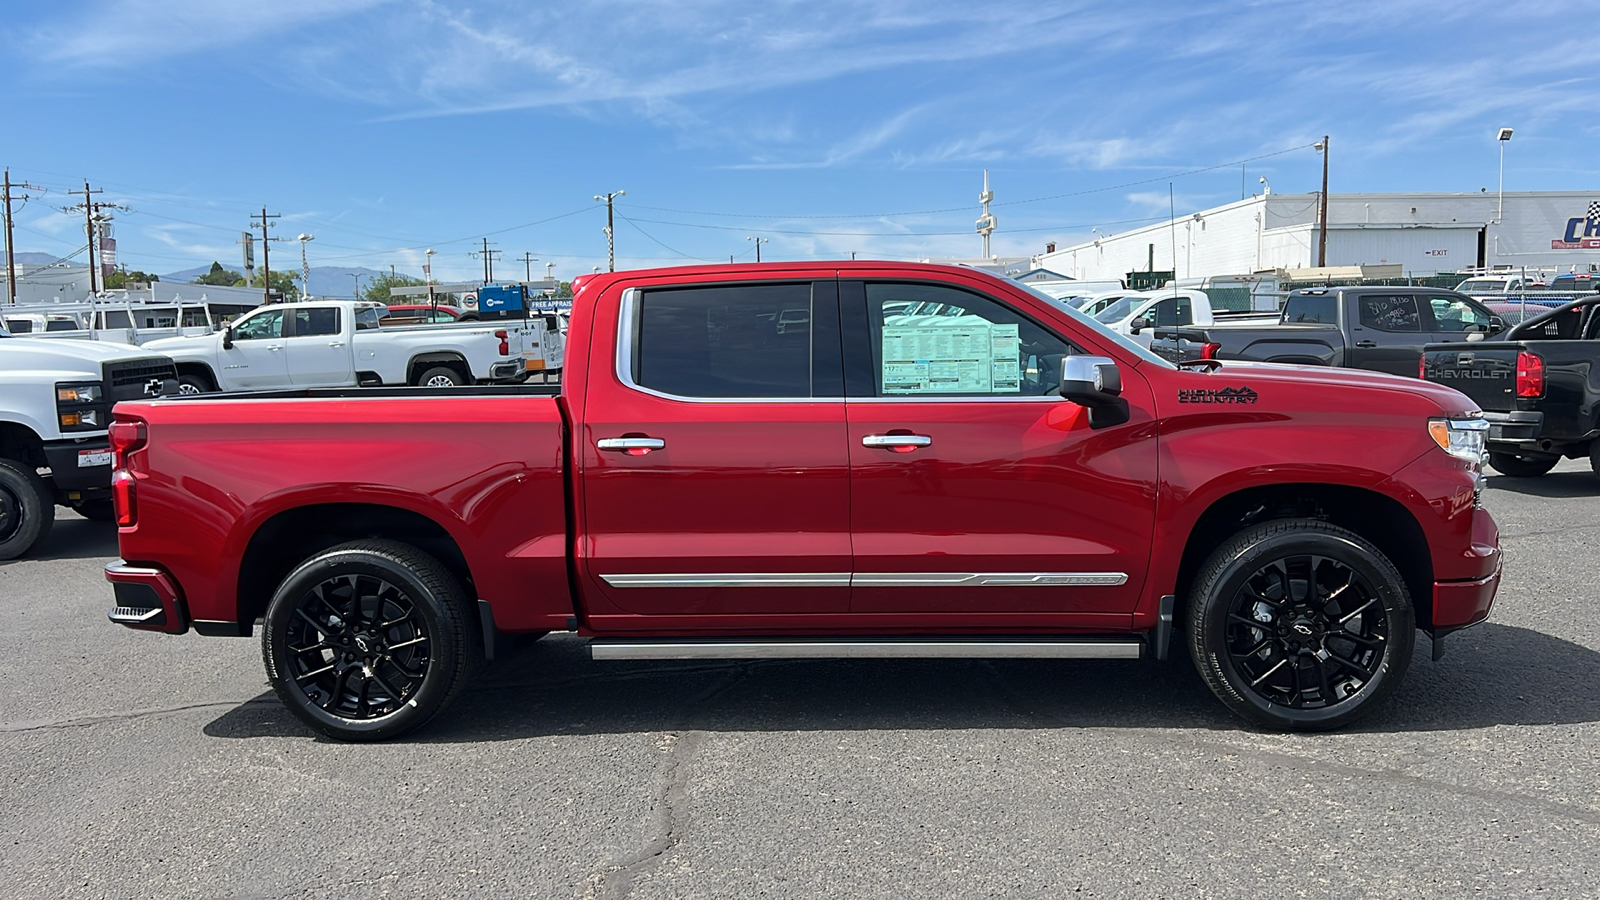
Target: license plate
89	458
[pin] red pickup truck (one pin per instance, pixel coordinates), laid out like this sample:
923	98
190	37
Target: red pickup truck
822	459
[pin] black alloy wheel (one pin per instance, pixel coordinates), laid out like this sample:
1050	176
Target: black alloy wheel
27	510
1522	465
368	640
1298	624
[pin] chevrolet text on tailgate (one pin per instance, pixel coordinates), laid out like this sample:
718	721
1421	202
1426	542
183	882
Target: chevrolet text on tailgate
817	460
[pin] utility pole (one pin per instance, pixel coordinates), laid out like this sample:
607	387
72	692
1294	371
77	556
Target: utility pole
611	245
266	254
528	259
89	208
487	256
11	255
1322	208
759	241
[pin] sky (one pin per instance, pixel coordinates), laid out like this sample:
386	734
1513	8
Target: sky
822	128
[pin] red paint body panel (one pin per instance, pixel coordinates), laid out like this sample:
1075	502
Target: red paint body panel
765	487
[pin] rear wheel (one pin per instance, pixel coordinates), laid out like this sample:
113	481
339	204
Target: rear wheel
368	640
440	376
27	510
1522	465
1297	624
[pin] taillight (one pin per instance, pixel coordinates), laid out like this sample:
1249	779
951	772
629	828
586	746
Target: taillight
126	436
1209	350
505	345
1422	366
1530	375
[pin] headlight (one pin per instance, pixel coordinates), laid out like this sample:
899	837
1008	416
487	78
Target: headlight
1461	438
78	393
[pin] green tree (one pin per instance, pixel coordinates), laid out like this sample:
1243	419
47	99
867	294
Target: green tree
377	289
119	279
220	277
283	284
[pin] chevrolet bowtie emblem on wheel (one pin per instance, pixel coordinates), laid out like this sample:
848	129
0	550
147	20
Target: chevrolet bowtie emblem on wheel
152	388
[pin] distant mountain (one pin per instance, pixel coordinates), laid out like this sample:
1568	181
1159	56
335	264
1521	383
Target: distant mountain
326	281
38	259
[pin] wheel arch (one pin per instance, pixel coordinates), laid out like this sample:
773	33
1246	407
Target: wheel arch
200	369
423	361
21	443
1378	518
291	536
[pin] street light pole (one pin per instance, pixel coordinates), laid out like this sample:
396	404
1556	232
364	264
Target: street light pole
305	268
1504	137
1322	208
427	274
759	241
611	245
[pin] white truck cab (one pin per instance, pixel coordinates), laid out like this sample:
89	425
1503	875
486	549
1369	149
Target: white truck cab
1137	314
342	344
55	405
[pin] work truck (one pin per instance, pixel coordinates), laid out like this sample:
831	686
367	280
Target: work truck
335	343
55	406
1361	327
1538	386
807	460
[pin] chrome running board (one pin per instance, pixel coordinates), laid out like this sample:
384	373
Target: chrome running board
873	648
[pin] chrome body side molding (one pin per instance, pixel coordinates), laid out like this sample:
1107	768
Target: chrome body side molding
868	579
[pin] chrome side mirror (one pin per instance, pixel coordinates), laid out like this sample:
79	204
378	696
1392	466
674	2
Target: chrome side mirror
1095	383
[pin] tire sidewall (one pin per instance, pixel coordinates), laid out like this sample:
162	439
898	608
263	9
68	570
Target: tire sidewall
1378	572
431	371
444	639
33	503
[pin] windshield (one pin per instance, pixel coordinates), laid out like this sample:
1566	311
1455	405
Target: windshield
1121	340
1119	310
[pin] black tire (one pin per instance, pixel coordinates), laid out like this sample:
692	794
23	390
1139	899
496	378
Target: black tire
1520	465
440	376
1243	635
1594	457
195	384
96	510
27	509
369	640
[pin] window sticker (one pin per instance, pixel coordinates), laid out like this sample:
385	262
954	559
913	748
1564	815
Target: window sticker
950	355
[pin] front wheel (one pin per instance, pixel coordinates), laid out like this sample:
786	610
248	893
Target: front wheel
194	384
368	640
27	510
1298	624
1519	465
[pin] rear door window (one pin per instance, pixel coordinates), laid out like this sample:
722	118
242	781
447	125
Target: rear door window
316	320
1390	312
728	341
1311	309
1175	312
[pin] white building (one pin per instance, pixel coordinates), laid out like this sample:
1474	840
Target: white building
66	283
1422	233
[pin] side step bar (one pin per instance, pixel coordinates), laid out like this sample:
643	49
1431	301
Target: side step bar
846	648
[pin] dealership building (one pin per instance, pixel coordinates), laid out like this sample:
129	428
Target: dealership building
1423	234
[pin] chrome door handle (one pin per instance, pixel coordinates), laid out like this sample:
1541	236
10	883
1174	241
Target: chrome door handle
336	343
631	443
897	441
1366	345
274	347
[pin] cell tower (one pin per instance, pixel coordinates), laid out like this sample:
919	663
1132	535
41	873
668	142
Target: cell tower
986	222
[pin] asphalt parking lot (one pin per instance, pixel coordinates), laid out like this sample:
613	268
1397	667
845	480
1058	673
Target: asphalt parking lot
138	765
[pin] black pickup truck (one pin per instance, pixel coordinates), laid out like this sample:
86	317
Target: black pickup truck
1538	385
1379	328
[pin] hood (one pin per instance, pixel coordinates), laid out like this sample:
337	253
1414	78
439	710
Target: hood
25	351
1450	401
180	343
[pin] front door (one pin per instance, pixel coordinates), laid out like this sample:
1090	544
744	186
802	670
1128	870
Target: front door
714	474
257	360
974	487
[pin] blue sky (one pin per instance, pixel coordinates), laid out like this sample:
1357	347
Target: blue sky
385	128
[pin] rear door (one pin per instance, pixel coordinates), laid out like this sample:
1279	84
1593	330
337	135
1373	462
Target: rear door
975	489
714	475
1388	333
319	349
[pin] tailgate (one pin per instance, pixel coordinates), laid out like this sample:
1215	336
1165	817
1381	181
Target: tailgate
1487	372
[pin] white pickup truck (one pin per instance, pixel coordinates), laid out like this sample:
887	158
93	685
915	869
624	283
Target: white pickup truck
340	344
1135	313
55	405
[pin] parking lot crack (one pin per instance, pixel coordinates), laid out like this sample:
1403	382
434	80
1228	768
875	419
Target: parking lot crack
86	721
668	812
